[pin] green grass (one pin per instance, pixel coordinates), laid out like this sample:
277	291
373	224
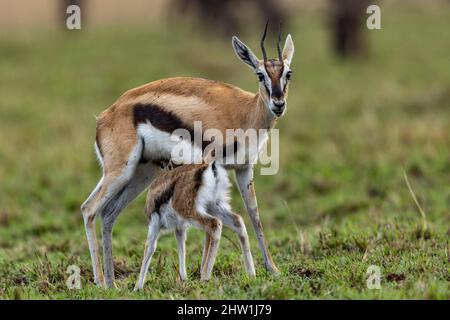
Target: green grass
338	205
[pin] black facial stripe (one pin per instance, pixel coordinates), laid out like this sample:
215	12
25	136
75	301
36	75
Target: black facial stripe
276	90
267	89
275	77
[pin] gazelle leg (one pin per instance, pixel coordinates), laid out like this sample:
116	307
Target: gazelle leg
91	234
213	227
150	247
89	224
236	223
108	262
244	177
140	180
105	191
180	234
116	175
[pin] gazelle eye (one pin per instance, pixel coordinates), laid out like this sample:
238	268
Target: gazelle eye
288	75
260	76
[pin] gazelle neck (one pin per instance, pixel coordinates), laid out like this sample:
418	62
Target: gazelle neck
264	118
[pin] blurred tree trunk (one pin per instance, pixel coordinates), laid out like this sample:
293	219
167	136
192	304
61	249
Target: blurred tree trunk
347	24
224	16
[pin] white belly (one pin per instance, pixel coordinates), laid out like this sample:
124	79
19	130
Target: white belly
159	144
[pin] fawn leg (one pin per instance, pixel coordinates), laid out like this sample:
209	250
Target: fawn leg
150	247
180	234
213	227
236	223
206	244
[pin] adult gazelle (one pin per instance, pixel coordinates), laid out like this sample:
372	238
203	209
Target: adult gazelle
134	135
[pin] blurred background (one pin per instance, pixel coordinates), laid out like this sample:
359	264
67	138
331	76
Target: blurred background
364	106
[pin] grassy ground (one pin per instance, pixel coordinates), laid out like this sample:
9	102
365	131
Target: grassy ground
338	205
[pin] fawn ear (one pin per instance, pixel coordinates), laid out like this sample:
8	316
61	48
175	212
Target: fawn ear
288	50
244	53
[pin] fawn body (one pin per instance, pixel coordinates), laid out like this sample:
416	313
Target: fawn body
192	195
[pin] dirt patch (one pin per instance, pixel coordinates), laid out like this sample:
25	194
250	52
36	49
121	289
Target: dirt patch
304	272
321	186
395	277
122	270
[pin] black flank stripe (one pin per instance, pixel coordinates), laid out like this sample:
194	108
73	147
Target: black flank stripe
267	89
164	198
166	121
161	119
198	178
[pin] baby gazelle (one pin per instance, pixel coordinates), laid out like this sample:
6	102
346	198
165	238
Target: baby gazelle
197	195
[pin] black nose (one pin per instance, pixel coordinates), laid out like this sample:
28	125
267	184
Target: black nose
279	105
278	108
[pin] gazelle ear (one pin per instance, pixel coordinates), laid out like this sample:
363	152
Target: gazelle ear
244	53
288	50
